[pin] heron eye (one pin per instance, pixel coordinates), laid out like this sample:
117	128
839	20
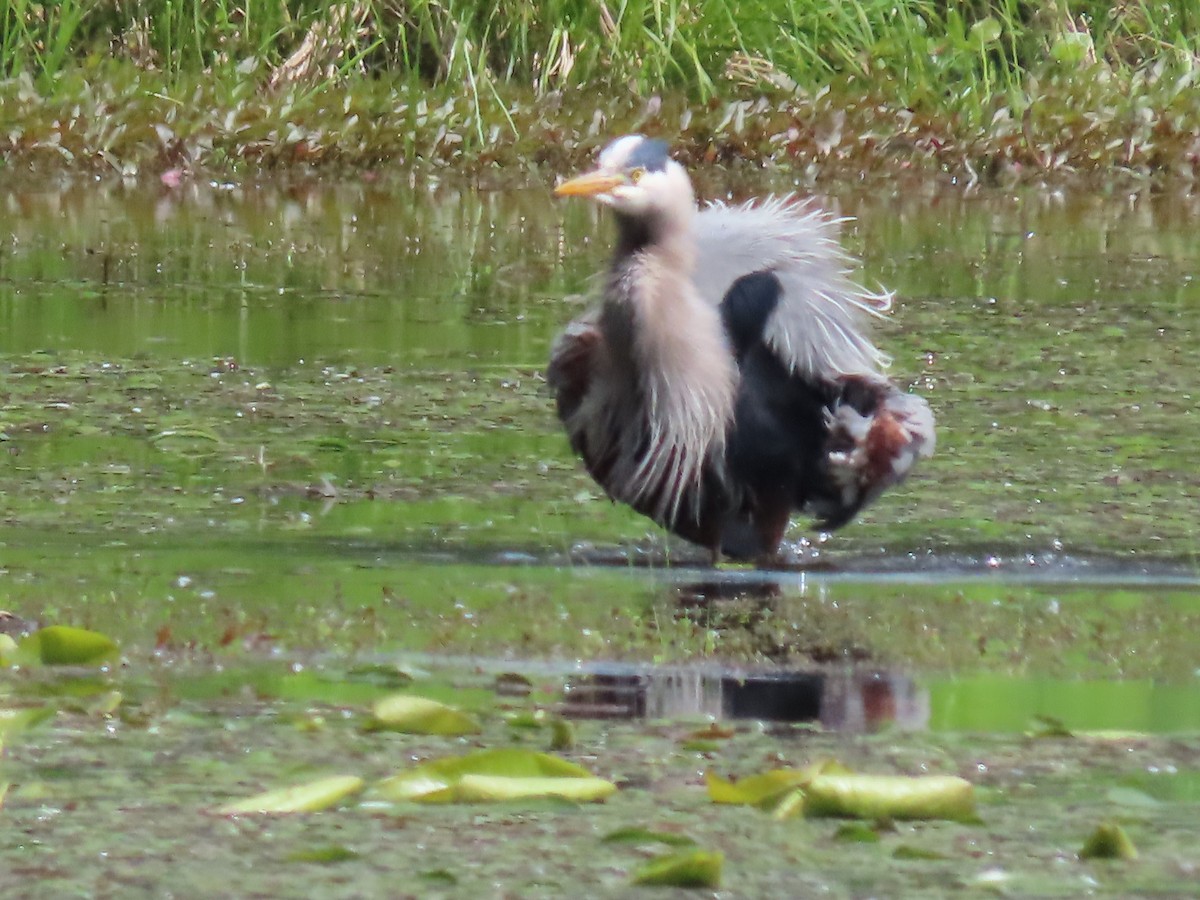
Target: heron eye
635	175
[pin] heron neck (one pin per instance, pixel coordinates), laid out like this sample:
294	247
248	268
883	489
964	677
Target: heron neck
664	234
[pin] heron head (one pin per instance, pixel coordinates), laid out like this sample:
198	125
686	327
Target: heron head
635	176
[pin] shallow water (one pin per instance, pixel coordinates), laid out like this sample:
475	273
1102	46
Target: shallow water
231	407
290	446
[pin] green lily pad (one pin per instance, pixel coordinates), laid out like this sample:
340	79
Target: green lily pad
420	715
313	796
507	773
687	868
334	853
857	833
909	851
767	788
562	735
488	788
527	718
63	645
105	704
646	836
1108	841
890	797
786	806
14	721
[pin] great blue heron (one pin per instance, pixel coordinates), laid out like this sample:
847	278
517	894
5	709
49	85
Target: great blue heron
724	381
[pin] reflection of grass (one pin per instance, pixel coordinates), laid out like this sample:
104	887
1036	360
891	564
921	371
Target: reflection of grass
983	88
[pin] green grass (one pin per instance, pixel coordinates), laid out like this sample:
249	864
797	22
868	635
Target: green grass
973	88
920	45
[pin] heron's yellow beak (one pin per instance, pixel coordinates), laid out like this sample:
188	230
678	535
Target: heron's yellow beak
589	185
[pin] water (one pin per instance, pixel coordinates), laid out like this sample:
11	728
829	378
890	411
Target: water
309	418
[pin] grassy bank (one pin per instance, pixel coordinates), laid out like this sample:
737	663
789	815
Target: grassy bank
981	91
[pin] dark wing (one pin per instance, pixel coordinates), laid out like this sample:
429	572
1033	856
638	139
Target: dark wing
823	441
572	361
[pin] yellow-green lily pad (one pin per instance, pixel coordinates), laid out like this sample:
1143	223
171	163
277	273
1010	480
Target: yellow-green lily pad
63	645
313	796
687	868
646	836
890	797
333	853
13	721
485	788
562	735
507	773
1108	841
858	833
420	715
767	788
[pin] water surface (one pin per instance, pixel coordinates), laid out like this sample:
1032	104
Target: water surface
290	445
311	404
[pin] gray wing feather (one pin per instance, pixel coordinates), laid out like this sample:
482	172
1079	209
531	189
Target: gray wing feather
817	329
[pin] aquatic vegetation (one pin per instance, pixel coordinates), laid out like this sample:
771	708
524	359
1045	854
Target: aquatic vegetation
1108	841
987	91
420	715
288	449
502	774
683	868
62	645
506	812
312	796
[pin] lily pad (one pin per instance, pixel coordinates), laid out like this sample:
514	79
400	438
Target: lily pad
1108	841
14	721
63	645
334	853
890	797
313	796
487	788
910	851
420	715
857	833
507	773
767	788
687	868
646	836
562	735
